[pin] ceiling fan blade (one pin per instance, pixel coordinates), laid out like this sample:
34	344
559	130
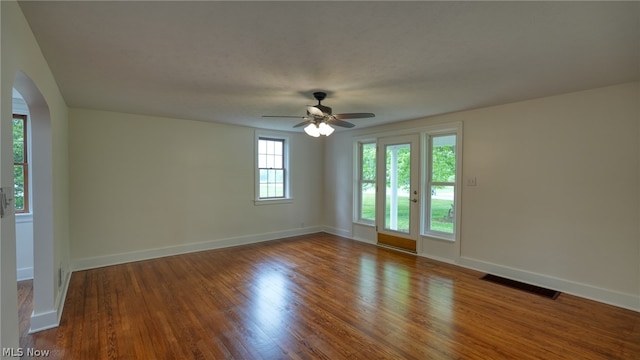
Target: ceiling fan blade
353	116
283	116
312	110
306	122
341	123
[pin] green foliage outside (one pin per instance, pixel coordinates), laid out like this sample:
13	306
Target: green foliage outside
18	157
440	218
443	167
444	163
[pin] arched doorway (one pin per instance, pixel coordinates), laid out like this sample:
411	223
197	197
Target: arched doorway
45	283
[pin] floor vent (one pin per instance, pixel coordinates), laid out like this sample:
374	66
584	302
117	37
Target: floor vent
548	293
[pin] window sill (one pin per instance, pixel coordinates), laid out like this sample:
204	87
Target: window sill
363	223
439	236
272	201
24	217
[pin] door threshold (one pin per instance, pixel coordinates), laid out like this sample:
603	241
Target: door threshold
397	248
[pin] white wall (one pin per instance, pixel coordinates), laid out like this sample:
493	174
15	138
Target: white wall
557	198
24	247
24	67
144	186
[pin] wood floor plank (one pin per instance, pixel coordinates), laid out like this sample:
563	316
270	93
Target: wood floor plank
319	297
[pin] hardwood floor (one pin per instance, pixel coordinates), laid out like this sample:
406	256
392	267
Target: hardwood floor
323	297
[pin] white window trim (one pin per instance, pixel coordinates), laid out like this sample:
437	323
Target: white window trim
356	180
287	154
426	133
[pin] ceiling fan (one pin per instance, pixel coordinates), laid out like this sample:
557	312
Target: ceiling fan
319	118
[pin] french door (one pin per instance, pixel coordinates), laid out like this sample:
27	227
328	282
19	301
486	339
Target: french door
398	191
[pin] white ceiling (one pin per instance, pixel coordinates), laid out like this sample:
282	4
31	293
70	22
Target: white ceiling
233	62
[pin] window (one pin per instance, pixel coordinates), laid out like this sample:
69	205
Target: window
20	164
272	168
441	185
366	208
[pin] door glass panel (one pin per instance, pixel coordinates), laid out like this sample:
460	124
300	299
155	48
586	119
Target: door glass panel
397	187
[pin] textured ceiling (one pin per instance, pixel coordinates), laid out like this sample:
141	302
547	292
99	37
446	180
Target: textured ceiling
233	62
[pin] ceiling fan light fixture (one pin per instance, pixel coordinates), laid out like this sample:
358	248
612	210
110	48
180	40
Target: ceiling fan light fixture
319	116
325	129
312	130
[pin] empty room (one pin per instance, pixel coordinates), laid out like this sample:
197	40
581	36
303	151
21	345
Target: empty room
320	180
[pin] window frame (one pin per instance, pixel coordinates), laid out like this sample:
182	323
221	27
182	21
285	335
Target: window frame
427	140
286	197
25	166
360	181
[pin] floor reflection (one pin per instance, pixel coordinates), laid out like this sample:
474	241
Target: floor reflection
440	291
271	301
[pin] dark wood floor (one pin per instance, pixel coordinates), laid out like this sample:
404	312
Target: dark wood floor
322	297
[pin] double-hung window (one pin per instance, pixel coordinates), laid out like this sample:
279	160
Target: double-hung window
442	165
20	164
366	206
272	176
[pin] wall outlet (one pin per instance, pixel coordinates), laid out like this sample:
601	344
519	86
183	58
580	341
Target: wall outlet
471	181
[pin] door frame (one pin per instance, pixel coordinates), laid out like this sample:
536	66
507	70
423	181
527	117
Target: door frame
404	240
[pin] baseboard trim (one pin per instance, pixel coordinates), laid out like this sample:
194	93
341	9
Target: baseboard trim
51	319
115	259
336	231
363	240
606	296
24	273
44	321
623	300
610	297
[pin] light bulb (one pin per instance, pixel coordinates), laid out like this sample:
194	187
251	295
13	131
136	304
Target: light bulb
312	130
325	129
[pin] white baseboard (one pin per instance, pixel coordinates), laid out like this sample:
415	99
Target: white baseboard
627	301
25	273
611	297
364	240
108	260
606	296
51	319
337	232
44	321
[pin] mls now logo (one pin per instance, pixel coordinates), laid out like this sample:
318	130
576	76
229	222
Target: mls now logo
19	352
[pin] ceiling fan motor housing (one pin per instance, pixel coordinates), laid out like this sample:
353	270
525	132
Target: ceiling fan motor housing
325	109
319	95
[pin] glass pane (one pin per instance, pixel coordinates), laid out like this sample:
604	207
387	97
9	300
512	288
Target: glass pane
397	182
271	183
278	190
368	202
18	175
368	161
262	146
442	209
277	162
443	162
18	140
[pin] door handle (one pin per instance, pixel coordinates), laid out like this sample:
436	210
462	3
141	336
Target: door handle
413	200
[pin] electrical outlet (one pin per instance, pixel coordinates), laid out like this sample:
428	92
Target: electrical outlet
471	181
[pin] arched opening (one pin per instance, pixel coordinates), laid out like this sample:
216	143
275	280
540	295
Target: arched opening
45	281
